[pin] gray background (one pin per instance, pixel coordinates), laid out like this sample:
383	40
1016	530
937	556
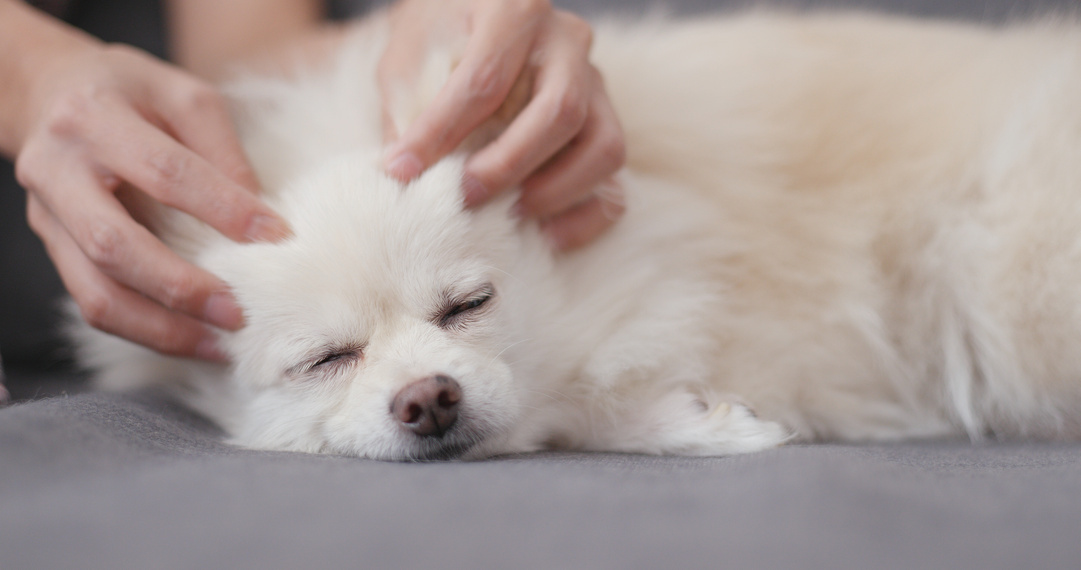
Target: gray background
108	481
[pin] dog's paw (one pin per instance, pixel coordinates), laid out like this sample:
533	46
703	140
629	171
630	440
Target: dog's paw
684	424
731	427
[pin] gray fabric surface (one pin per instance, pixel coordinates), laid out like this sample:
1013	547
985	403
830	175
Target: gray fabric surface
107	481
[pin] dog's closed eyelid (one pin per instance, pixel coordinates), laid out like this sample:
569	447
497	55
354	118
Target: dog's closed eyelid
331	358
327	359
454	309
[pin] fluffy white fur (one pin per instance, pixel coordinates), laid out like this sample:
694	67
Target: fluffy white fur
859	227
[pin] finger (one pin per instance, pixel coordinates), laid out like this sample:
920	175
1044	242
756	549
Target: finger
157	164
582	224
112	308
401	61
553	117
390	131
503	37
128	253
595	156
198	117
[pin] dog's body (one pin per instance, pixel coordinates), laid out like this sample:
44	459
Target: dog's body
859	227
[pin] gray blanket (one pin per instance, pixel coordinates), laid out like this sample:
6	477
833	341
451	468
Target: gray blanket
108	481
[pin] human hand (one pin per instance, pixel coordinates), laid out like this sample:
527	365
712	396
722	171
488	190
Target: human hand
565	145
108	129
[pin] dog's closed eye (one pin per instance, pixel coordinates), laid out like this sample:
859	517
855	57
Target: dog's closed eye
330	360
456	311
333	357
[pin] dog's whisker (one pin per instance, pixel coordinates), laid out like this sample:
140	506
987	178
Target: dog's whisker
505	349
550	394
500	270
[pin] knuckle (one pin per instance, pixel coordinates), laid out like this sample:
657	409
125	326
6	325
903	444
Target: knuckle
172	336
175	293
201	97
96	308
242	217
69	114
166	170
174	342
504	169
104	244
166	344
613	151
485	83
578	28
234	210
570	109
28	169
242	171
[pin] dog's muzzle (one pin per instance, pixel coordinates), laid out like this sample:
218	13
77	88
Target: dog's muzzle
429	411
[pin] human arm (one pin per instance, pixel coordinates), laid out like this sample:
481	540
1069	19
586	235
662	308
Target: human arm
209	36
94	130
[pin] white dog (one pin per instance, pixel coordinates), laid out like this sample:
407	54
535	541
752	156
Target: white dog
859	227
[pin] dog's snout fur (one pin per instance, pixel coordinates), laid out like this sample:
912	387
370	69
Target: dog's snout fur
428	407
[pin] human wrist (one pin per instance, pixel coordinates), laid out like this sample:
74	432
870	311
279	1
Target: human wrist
209	37
32	47
280	57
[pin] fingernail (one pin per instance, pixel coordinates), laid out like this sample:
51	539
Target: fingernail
267	228
474	190
222	311
208	349
405	166
613	200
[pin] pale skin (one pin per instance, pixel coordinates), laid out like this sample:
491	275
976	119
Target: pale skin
99	130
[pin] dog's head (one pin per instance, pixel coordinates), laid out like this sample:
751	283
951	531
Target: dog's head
378	329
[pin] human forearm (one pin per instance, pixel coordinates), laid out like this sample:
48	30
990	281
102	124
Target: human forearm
31	43
207	36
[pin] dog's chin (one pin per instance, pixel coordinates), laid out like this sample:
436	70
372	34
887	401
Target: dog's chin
449	447
464	441
443	452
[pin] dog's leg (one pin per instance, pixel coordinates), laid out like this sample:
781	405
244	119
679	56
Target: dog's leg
683	423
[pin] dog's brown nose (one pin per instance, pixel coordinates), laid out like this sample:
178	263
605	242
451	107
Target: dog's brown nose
428	407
